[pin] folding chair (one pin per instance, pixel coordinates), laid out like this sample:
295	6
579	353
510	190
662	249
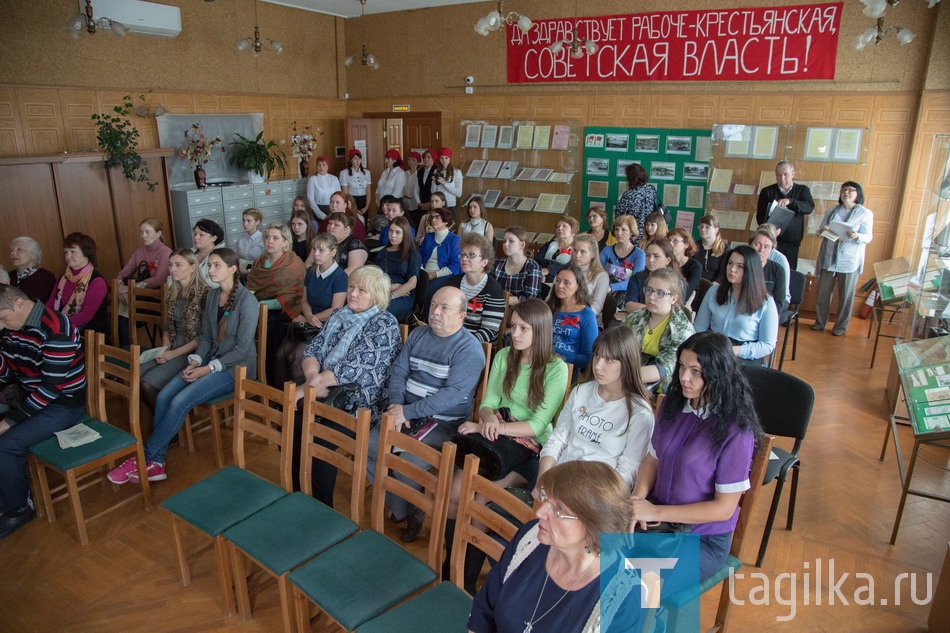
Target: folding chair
796	288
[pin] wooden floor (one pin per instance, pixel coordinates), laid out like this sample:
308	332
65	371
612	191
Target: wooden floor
127	578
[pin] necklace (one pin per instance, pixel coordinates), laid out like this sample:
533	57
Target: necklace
650	329
529	624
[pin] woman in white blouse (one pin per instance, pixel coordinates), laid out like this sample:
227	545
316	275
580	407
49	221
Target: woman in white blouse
447	180
355	180
392	182
477	220
320	187
584	255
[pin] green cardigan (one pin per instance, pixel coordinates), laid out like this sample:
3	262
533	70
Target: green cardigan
677	330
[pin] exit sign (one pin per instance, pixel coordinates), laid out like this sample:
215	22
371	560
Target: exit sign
401	108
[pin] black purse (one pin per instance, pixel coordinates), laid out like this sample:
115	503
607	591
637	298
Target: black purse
301	332
495	459
140	274
343	397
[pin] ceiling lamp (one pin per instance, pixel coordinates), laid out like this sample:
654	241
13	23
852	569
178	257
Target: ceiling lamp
90	23
255	44
494	21
577	44
875	9
365	58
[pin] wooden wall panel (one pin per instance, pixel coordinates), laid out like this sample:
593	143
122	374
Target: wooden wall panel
134	202
78	106
42	119
11	129
701	111
30	208
736	109
811	110
573	108
633	111
85	204
668	110
206	104
232	104
772	110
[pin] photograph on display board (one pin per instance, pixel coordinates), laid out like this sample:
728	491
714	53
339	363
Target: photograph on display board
679	145
696	171
647	143
598	167
622	167
618	142
662	170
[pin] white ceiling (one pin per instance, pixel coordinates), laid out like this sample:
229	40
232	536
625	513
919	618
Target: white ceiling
351	8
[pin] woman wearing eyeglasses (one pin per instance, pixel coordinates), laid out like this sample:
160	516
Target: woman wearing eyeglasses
660	326
486	299
701	451
549	577
841	261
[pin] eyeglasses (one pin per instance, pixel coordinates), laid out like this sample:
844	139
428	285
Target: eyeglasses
469	255
543	498
660	294
677	240
848	190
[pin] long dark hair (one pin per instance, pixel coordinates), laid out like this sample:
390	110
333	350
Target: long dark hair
754	292
408	245
620	343
726	392
582	295
536	314
230	258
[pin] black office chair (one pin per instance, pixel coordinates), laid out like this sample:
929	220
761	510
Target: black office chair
783	403
796	287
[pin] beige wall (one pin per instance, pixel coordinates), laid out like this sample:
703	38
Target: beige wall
37	50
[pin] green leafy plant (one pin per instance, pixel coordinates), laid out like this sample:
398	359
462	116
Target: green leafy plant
119	139
256	155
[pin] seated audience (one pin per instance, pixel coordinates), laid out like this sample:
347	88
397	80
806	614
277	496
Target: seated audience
148	268
250	246
206	236
587	258
711	247
516	272
486	299
624	258
575	325
351	252
556	253
597	219
683	250
401	261
477	221
35	282
81	292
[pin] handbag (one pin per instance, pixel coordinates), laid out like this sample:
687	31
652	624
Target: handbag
495	459
301	332
343	397
664	527
140	274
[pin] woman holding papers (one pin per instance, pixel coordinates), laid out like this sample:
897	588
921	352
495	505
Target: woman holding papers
846	231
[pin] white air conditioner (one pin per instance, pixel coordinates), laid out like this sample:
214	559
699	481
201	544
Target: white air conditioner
146	18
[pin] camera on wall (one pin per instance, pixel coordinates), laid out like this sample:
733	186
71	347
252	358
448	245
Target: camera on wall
468	85
469	80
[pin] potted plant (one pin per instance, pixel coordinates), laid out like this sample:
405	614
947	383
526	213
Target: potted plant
119	139
256	157
304	144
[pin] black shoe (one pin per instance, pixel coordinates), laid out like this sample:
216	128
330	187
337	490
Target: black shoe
10	524
413	526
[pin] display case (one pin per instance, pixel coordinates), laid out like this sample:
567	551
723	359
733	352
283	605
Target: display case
924	284
743	162
527	172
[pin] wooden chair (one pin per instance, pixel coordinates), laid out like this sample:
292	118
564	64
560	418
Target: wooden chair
385	573
146	308
109	370
295	529
675	603
232	494
446	606
503	328
220	407
404	332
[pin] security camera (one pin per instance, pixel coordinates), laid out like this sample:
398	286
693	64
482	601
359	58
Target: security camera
470	80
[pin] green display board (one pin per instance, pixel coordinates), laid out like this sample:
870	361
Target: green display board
676	162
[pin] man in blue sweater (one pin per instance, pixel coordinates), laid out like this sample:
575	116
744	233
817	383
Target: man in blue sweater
40	350
431	387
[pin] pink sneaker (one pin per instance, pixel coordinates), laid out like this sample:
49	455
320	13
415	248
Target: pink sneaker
123	473
154	470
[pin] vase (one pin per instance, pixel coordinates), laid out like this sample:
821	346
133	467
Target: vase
304	168
255	178
200	176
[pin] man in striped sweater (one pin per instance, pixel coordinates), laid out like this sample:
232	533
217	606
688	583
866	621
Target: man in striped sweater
40	350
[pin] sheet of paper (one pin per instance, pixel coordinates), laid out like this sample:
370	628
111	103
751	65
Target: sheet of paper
151	354
562	135
597	189
508	169
526	174
671	195
473	133
528	205
561	201
937	394
491	197
492	168
475	169
818	142
505	136
525	136
764	142
731	219
508	202
684	220
542	137
545	203
743	190
694	197
703	148
721	180
824	190
489	136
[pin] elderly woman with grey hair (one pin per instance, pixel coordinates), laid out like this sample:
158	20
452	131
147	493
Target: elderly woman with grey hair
25	257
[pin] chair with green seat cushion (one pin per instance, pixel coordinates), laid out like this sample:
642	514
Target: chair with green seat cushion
443	609
487	526
367	574
219	407
109	370
674	604
283	536
233	494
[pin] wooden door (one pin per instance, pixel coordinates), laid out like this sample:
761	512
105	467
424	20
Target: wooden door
371	132
393	136
422	131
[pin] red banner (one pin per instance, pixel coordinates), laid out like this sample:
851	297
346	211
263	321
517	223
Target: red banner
760	44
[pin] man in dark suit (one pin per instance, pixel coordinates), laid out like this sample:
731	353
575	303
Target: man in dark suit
796	198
